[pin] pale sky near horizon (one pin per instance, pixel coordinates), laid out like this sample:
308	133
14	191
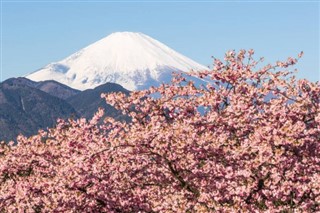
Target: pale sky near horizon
35	33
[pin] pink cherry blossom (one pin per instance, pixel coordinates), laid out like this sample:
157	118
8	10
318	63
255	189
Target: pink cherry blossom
246	142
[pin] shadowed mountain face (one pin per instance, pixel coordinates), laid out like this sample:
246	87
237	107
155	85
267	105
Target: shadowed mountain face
57	89
24	109
87	102
27	106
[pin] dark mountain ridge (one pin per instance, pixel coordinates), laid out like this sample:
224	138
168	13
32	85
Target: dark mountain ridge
27	106
87	102
25	109
51	87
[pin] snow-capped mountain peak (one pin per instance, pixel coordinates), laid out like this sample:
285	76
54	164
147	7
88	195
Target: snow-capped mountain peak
133	60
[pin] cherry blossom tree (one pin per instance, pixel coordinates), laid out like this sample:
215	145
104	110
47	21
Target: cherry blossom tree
247	141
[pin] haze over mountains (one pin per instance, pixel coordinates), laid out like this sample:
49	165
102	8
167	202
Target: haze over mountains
133	60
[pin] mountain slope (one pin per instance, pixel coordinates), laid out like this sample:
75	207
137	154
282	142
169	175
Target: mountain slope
25	109
57	89
51	87
87	102
133	60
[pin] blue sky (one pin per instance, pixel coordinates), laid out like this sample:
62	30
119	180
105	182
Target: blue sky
35	33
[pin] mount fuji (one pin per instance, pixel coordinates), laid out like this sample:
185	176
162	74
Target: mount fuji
133	60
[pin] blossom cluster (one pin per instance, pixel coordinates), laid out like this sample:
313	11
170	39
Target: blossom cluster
247	141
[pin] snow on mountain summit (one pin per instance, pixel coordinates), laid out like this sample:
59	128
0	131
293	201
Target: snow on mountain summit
133	60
